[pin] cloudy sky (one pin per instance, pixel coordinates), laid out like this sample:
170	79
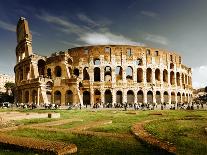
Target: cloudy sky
177	25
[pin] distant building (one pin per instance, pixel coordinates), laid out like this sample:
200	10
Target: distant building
4	79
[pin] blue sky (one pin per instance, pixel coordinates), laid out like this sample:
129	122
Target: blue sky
175	25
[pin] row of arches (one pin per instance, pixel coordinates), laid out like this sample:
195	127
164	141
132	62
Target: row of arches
130	97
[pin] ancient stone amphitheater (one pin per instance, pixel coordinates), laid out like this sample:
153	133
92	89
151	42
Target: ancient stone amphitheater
99	74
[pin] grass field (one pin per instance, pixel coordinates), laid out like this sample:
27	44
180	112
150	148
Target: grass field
185	129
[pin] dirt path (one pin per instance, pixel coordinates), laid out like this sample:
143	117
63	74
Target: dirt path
139	131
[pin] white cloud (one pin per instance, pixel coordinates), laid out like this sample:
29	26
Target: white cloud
89	36
87	20
107	38
199	77
7	26
149	14
156	39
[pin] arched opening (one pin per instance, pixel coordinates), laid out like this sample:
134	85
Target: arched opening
97	74
171	66
97	97
49	96
149	97
166	97
186	79
86	98
178	97
76	72
27	73
57	97
34	97
97	61
139	75
158	97
49	85
140	96
107	73
108	96
129	73
157	75
172	78
187	98
183	98
49	73
69	97
183	79
173	98
149	75
119	72
26	97
58	71
85	74
178	78
41	67
119	97
130	97
165	76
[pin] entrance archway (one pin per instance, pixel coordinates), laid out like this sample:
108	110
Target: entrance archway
140	96
130	97
86	98
166	97
57	97
119	97
108	96
149	97
69	97
158	97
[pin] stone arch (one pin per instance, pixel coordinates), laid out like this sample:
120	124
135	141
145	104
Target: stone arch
172	78
178	78
157	74
41	67
76	72
119	97
97	73
130	97
129	73
119	72
107	73
86	74
173	97
108	96
97	61
166	97
158	97
140	96
86	98
149	75
165	75
57	97
69	97
49	73
139	75
178	97
97	96
34	97
149	97
26	97
58	71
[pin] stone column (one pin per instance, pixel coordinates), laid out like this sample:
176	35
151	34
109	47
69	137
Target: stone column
102	96
113	76
134	74
144	76
92	96
135	96
145	96
124	75
113	97
124	96
154	97
162	97
102	74
169	97
38	96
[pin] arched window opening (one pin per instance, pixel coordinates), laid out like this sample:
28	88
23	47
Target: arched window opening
49	73
171	66
119	97
108	97
119	73
27	73
157	74
178	97
149	75
149	97
97	61
86	74
58	71
178	78
172	78
76	72
139	75
158	97
129	73
165	76
41	67
107	73
172	97
97	76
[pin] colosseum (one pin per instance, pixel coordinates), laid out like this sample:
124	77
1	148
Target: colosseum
99	74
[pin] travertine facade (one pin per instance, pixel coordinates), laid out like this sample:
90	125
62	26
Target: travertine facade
104	74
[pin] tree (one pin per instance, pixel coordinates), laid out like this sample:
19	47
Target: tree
10	86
